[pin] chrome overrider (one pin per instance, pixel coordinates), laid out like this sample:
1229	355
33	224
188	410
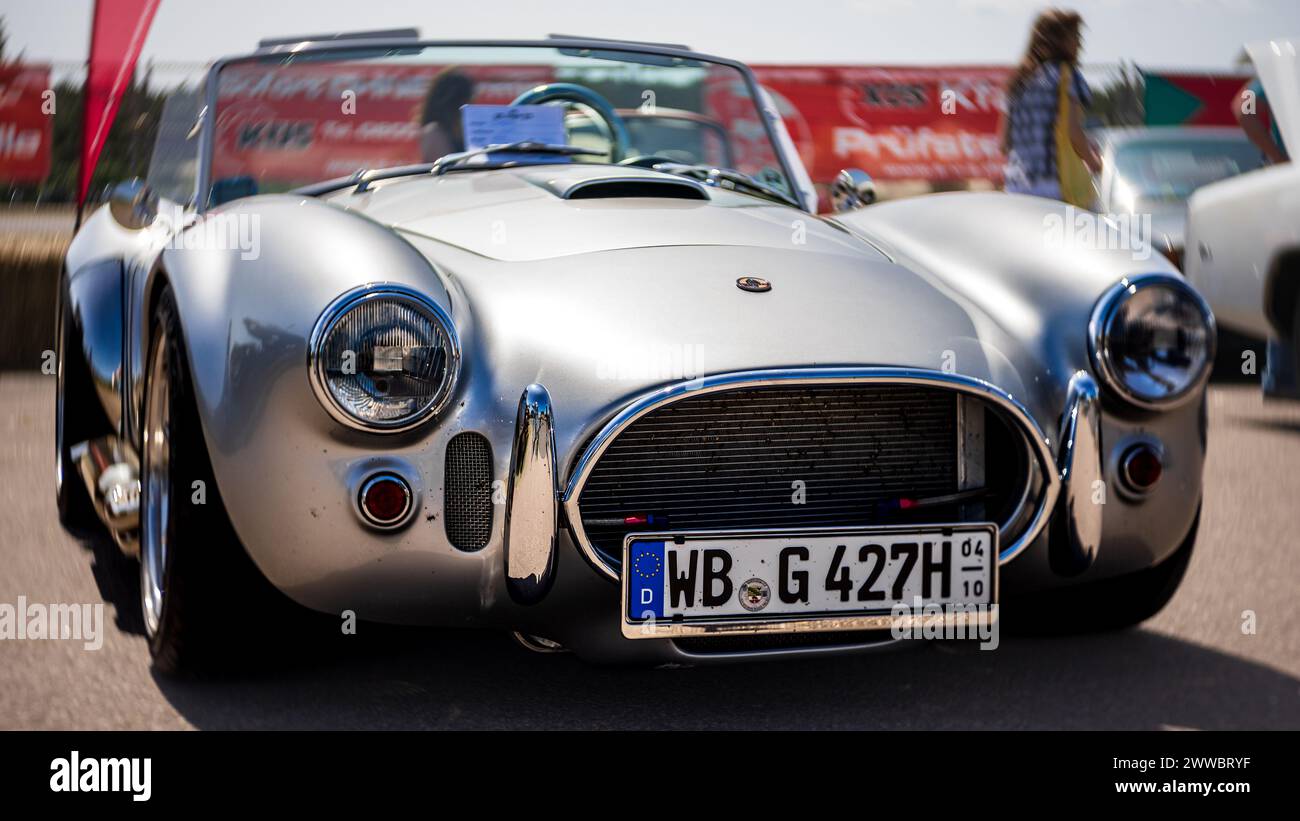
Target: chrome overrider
532	512
1081	470
1039	444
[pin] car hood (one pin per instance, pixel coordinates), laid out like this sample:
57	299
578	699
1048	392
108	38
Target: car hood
601	328
602	300
542	212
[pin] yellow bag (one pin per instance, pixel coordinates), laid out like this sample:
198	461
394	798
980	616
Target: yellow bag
1075	179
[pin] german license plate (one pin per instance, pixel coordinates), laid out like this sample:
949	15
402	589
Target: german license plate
709	583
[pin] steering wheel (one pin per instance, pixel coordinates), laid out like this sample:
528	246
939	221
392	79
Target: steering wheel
574	93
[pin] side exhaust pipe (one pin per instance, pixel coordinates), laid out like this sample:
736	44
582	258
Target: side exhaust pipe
111	472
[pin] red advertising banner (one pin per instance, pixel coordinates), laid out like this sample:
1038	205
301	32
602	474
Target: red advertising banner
308	122
895	123
26	129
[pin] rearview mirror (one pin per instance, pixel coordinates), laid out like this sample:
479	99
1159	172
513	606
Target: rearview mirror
133	204
853	188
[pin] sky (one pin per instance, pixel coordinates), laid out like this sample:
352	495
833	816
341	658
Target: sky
1205	34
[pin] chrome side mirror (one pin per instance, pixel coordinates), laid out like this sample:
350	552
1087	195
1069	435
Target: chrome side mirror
133	204
852	189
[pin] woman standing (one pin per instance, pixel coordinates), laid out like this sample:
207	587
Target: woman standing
440	123
1035	105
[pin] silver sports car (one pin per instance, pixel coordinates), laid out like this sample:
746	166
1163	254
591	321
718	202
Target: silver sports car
640	407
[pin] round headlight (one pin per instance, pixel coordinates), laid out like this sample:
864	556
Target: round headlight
383	358
1153	340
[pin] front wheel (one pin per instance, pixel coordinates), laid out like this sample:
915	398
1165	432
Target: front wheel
1109	604
197	585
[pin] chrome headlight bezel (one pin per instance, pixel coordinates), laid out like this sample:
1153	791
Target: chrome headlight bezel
1099	341
340	308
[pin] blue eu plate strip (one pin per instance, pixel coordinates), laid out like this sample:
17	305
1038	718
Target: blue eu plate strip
646	581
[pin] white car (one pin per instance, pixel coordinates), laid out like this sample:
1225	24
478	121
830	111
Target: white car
1243	234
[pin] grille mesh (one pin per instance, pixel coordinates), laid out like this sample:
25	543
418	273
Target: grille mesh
467	493
731	460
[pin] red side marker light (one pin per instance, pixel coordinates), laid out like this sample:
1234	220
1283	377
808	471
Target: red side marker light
385	499
1141	467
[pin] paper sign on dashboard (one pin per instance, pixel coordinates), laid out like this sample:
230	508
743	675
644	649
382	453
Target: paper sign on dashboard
487	125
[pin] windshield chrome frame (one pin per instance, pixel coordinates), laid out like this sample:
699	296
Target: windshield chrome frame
208	133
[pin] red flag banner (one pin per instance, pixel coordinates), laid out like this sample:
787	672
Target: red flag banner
116	38
26	123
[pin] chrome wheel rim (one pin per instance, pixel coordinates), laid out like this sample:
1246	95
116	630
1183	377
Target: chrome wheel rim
156	487
59	366
58	412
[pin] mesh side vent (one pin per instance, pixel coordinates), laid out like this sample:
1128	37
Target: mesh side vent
467	498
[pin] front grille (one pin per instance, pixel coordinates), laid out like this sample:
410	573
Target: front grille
467	491
743	458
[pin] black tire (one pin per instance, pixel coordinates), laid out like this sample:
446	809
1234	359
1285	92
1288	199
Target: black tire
1228	352
212	593
1110	604
77	418
1295	343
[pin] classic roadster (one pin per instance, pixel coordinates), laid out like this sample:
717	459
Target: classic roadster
643	408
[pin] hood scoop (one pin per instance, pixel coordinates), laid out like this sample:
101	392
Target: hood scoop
617	189
581	183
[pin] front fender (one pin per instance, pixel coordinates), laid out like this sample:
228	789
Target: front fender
1035	265
97	271
247	310
1029	268
94	308
1036	268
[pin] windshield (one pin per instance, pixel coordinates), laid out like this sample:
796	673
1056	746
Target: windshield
1169	170
172	166
291	120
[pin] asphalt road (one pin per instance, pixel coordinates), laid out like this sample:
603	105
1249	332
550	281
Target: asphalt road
1190	667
